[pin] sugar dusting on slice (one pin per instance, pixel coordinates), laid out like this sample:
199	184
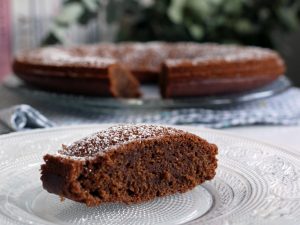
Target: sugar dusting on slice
113	137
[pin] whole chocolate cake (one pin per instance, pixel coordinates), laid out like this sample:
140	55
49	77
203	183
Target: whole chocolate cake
129	164
184	69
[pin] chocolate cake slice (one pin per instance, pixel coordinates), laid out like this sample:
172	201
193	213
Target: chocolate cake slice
129	164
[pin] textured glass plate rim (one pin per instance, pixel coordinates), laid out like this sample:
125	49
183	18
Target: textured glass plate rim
149	102
92	128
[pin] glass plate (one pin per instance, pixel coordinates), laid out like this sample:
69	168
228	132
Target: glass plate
151	98
256	183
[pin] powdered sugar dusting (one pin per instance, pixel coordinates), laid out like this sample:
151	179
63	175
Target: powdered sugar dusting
113	137
60	56
226	54
144	56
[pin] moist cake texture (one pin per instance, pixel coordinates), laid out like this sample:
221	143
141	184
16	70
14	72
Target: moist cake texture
183	69
129	164
122	83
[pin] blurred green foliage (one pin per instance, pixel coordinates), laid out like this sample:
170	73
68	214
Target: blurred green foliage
251	22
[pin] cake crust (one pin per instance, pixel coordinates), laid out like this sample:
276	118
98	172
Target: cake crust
129	164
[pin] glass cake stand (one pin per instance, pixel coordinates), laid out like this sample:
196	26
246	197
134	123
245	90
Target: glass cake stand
151	98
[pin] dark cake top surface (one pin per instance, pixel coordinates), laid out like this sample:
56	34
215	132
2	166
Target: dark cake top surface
142	55
113	137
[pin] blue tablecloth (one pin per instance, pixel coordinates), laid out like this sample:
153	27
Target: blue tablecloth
282	109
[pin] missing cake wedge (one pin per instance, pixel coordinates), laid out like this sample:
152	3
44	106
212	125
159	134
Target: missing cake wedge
129	164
